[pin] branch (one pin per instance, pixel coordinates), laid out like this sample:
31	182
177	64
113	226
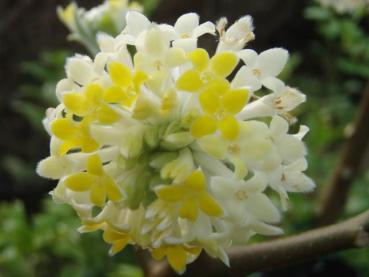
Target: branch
335	194
352	233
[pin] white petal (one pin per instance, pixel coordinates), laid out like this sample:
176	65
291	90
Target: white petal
302	132
272	61
299	165
168	32
241	29
278	126
262	208
136	23
186	23
214	145
246	79
204	28
106	43
187	44
298	182
248	56
290	148
274	84
65	85
52	167
222	188
257	183
291	98
80	70
256	109
265	229
213	166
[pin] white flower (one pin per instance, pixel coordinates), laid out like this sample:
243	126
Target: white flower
187	30
289	147
245	203
237	35
259	69
282	100
290	178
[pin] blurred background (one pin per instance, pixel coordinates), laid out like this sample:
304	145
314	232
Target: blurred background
329	63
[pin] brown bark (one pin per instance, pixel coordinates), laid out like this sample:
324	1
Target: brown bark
335	194
352	233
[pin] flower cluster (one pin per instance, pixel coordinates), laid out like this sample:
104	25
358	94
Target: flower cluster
173	149
345	6
108	17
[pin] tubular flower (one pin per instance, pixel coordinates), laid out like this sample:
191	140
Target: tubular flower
177	154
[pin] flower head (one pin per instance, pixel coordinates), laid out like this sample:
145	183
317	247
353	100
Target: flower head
176	152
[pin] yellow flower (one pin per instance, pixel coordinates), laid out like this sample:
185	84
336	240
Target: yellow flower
91	104
191	196
218	101
219	104
177	255
126	86
95	180
117	239
74	135
205	69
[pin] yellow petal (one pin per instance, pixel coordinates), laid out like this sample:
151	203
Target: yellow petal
118	246
177	258
171	193
98	194
94	94
217	85
229	127
94	165
107	115
81	181
90	227
209	206
210	101
66	146
120	74
189	209
64	129
203	125
193	250
138	79
190	81
223	63
159	253
114	94
168	102
235	100
76	103
89	145
196	180
114	193
199	58
110	235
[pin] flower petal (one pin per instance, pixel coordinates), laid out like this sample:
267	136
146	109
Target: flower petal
272	61
229	127
186	23
203	125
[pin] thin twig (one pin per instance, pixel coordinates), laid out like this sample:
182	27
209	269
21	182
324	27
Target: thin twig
352	233
335	194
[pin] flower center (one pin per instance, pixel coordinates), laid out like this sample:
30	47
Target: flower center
234	148
256	72
241	195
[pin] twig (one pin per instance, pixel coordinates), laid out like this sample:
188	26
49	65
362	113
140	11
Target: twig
352	233
335	194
